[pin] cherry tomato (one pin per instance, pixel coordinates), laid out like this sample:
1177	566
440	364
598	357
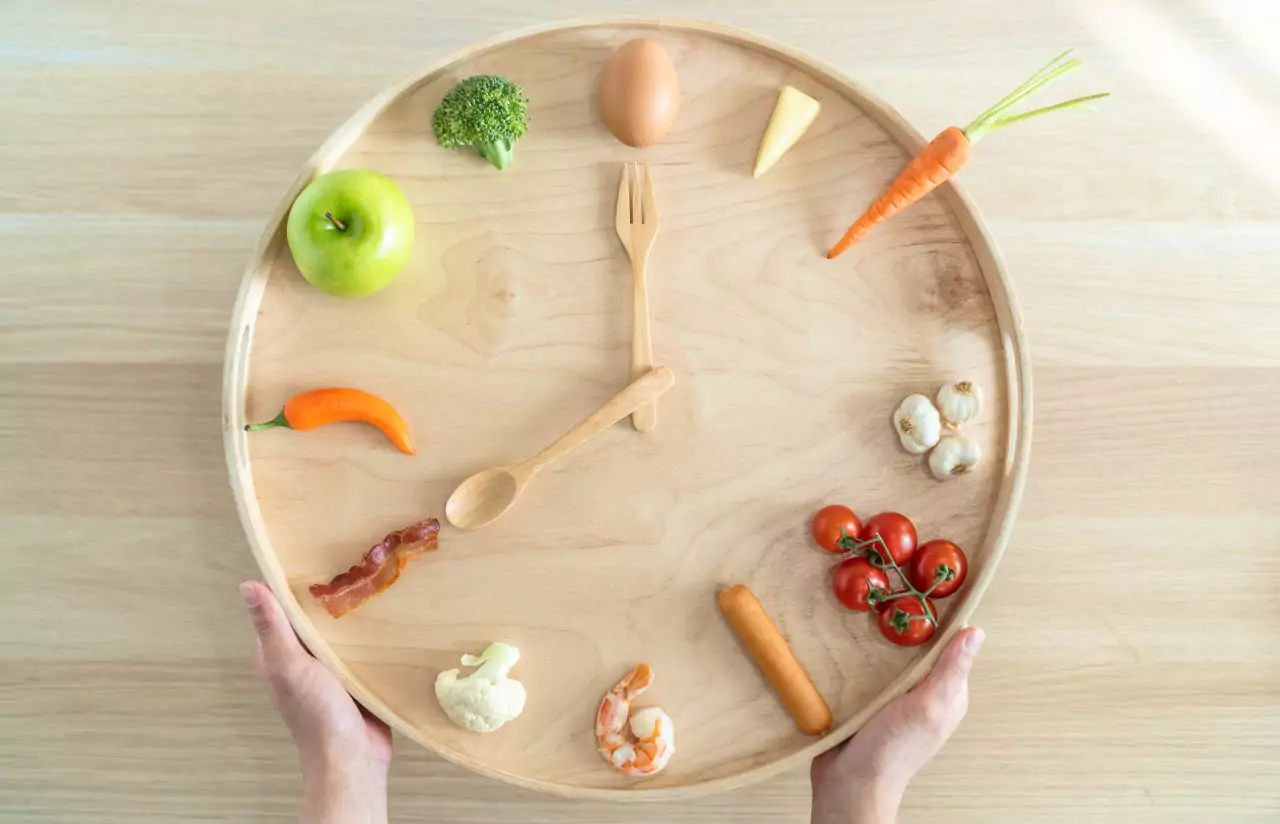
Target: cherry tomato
833	522
903	622
854	579
898	534
938	559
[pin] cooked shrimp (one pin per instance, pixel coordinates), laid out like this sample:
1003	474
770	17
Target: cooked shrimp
646	744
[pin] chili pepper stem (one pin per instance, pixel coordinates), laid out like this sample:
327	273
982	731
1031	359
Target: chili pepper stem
278	420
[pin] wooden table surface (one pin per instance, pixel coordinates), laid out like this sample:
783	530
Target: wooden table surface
1132	671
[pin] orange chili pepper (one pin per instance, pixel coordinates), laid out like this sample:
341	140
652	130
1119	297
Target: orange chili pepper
324	406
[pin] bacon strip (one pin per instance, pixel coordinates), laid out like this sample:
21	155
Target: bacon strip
378	569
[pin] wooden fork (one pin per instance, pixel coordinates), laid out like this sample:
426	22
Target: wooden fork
637	225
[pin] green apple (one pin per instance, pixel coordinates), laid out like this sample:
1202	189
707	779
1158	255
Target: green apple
350	232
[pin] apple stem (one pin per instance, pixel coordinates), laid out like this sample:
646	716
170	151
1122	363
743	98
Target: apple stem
341	226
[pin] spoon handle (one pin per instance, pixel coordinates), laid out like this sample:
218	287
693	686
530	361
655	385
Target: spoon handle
640	393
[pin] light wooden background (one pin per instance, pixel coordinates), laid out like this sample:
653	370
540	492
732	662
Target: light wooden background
1133	668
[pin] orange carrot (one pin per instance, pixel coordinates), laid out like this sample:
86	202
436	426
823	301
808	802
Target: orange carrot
941	158
947	153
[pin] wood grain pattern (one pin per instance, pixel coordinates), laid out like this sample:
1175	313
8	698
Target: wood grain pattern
153	139
509	313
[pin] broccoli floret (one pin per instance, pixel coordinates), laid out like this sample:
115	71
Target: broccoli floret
486	111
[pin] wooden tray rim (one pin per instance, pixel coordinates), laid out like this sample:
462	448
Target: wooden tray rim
1013	342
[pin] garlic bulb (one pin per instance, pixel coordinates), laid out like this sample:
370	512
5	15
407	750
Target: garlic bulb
953	456
960	402
918	424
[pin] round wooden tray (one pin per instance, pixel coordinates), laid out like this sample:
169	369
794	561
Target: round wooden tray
512	321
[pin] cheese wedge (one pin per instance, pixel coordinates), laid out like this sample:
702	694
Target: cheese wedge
792	117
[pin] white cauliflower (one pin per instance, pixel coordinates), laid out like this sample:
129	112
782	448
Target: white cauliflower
486	699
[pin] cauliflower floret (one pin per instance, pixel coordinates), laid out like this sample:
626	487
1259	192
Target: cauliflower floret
486	699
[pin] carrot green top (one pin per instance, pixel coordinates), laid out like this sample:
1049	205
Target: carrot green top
997	116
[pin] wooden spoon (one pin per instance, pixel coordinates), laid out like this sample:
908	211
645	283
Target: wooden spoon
486	496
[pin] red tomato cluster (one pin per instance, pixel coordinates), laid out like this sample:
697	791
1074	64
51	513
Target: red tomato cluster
883	544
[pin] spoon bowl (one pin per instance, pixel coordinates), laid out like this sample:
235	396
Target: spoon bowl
483	498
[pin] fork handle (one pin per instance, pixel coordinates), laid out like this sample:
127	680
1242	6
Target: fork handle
645	418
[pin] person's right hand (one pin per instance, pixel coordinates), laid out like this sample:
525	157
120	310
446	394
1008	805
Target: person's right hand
863	780
345	751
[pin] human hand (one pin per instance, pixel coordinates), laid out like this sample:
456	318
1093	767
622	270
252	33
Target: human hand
345	751
863	780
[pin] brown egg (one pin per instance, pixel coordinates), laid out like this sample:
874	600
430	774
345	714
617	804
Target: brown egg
639	93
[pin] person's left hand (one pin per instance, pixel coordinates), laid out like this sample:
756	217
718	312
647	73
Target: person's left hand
344	750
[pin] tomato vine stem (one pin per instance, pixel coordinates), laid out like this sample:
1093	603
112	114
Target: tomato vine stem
879	556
